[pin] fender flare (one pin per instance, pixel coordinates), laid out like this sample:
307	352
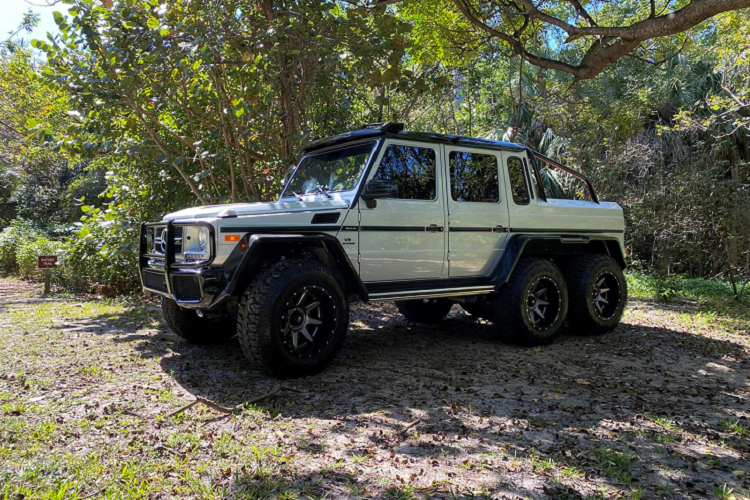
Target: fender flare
240	266
514	250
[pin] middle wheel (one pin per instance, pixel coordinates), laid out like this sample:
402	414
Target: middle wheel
531	307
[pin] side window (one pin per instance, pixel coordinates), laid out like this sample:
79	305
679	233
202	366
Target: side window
474	177
518	184
562	185
413	170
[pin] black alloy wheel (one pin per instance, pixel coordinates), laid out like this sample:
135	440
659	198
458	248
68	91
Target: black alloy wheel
531	307
543	303
309	321
598	294
293	319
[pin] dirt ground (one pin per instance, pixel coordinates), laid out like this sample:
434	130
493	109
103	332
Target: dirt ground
659	408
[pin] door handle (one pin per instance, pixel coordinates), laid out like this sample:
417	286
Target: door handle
499	229
432	228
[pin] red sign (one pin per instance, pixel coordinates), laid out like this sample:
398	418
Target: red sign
46	261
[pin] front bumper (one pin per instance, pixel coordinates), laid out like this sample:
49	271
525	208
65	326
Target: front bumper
193	285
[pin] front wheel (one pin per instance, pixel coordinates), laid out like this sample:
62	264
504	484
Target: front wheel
196	329
293	318
531	307
598	292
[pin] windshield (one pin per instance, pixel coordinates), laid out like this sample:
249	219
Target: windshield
333	171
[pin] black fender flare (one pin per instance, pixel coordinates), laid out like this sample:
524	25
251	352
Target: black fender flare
241	267
575	243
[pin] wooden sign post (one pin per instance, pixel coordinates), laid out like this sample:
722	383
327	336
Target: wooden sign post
46	262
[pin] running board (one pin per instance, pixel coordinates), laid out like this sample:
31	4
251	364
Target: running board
426	294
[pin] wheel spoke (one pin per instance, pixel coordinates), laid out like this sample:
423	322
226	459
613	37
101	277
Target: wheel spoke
313	321
302	298
603	290
306	334
312	306
540	292
542	302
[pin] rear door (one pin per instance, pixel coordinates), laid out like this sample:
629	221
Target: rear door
404	238
477	210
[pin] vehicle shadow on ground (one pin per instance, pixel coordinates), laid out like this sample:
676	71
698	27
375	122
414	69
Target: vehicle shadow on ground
639	407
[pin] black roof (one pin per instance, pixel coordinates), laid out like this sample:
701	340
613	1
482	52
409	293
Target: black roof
396	131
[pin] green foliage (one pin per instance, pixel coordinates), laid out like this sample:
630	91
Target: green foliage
30	248
103	252
141	108
11	240
678	287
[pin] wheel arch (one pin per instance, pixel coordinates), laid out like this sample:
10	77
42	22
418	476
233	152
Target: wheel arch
262	249
559	248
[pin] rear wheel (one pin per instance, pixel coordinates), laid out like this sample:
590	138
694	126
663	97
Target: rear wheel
293	319
598	292
424	310
531	307
196	329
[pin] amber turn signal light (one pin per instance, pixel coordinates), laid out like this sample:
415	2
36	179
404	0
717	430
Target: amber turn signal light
231	238
243	245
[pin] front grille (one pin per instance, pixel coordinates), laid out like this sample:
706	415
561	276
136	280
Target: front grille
159	245
187	287
155	281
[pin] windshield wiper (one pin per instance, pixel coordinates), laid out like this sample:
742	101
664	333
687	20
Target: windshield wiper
321	188
299	196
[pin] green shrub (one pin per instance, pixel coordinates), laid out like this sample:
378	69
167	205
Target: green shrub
11	239
676	286
29	250
103	253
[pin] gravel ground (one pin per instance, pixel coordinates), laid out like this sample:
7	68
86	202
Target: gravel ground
657	409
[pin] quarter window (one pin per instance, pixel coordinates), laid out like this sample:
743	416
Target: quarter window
518	183
413	170
474	177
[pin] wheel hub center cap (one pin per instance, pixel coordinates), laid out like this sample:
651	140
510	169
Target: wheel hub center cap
297	318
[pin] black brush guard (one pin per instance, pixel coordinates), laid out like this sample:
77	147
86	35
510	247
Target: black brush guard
191	284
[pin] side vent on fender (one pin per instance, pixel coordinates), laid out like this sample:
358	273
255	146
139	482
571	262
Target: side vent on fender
327	218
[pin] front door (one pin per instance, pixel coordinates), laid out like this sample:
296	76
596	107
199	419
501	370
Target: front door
404	238
477	211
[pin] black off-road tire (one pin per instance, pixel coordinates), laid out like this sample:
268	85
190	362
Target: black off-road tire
511	305
427	311
261	325
583	275
202	331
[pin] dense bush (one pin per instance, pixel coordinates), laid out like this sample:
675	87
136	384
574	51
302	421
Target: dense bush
29	250
11	240
102	253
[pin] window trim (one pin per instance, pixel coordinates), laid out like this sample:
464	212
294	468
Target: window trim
379	159
498	164
525	178
360	182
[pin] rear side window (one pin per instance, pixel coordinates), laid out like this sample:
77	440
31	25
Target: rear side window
413	170
474	177
518	184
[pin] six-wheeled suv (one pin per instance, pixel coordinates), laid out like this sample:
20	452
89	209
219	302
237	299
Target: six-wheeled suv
425	220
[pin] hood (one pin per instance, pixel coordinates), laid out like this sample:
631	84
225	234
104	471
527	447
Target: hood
258	208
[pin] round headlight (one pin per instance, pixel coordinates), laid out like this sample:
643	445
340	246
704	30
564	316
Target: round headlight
203	238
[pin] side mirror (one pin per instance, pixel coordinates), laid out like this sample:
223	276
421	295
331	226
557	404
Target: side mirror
379	188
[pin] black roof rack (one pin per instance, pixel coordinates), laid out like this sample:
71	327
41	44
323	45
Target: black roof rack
385	127
396	130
